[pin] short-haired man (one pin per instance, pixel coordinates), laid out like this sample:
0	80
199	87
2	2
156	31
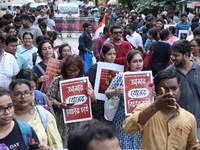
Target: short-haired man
132	36
196	33
163	123
121	47
11	47
98	43
85	40
93	136
28	26
3	24
188	72
183	25
17	23
8	64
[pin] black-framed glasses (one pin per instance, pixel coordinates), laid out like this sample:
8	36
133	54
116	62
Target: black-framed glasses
118	32
19	95
9	108
193	45
73	71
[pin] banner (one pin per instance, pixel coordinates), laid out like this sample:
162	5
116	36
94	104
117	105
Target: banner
53	70
73	91
105	74
136	89
74	24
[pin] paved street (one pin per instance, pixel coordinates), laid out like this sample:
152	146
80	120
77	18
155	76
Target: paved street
73	42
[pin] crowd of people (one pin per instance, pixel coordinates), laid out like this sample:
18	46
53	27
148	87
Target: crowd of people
27	43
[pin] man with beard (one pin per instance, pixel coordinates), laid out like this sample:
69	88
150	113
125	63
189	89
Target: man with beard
188	72
17	24
121	47
28	26
132	36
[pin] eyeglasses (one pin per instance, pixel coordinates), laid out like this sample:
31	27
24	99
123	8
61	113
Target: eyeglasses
19	95
73	71
193	45
118	32
9	108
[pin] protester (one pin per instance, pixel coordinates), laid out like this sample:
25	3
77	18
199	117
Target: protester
93	136
188	72
172	37
41	120
45	51
164	117
28	26
161	52
64	51
121	47
11	133
108	55
27	48
9	67
11	47
195	49
183	25
71	68
134	61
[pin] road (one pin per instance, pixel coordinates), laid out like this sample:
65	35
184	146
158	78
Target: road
73	42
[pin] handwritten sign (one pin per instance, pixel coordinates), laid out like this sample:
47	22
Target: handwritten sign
53	70
105	74
136	89
73	91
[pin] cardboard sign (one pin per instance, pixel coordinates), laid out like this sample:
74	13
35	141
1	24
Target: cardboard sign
105	74
73	91
53	70
136	89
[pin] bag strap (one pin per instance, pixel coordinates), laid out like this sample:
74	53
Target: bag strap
43	115
39	97
26	50
152	48
41	69
34	57
26	131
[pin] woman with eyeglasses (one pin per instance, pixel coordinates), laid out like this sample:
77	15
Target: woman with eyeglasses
10	131
64	51
27	48
195	50
41	120
72	67
108	55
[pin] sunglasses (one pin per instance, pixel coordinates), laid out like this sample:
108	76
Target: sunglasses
118	32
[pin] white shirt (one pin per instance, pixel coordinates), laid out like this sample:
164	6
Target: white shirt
51	23
8	69
58	15
135	39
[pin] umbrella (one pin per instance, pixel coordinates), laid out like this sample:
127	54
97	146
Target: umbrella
103	4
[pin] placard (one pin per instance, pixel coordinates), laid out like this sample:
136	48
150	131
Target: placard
166	26
74	91
53	70
136	89
105	74
183	34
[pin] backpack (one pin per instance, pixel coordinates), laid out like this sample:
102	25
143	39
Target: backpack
39	97
34	57
26	131
25	128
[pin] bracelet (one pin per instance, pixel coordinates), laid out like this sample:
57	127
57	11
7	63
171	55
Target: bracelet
59	105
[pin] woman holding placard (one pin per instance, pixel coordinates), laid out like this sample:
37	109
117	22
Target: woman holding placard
108	54
72	67
135	63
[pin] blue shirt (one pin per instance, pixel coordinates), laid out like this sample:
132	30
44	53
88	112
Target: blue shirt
182	26
84	42
21	61
26	53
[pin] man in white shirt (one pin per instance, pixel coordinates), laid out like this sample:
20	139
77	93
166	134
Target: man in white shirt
132	36
58	14
8	65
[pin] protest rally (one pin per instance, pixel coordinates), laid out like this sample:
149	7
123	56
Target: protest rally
100	75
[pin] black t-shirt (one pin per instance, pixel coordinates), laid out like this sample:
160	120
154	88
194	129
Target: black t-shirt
14	140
